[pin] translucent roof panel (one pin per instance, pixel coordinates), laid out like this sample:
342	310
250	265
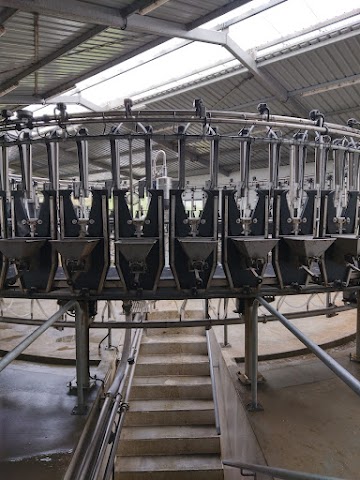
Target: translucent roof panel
181	63
287	18
258	24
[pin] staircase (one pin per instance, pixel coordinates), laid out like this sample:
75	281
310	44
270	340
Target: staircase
170	431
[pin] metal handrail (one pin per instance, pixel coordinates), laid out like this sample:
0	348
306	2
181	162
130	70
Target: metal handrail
87	460
208	322
13	354
105	459
281	473
338	369
123	409
213	384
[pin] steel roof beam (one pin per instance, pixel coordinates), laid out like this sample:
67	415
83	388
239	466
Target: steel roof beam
269	82
51	57
118	60
6	14
111	17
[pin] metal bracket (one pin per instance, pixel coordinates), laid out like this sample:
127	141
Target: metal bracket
245	380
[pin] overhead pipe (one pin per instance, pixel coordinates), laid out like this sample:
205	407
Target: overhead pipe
354	171
321	159
52	149
4	170
115	162
298	155
148	160
214	161
25	153
181	157
83	156
274	163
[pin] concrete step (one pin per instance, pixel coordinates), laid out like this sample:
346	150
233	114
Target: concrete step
169	440
172	387
175	330
179	364
173	344
176	467
170	412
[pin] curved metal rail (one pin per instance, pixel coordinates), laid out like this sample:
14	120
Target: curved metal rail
280	473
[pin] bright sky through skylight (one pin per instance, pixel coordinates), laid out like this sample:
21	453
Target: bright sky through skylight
160	69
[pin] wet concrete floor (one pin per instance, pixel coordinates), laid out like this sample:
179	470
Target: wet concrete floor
37	430
311	419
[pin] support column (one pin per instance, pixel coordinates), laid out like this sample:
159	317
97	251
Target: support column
82	355
254	405
248	310
355	357
246	377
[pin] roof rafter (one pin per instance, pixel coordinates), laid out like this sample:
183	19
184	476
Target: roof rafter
52	56
6	14
111	17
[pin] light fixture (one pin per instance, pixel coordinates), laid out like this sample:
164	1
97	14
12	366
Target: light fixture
153	6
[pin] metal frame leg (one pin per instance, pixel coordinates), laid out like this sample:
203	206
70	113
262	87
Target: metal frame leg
248	335
82	356
355	357
247	377
254	405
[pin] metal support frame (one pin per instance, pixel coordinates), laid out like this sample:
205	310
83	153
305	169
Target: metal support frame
355	357
250	320
110	17
213	383
254	405
340	371
82	356
9	357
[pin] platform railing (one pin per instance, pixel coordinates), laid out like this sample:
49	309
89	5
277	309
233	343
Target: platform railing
93	459
249	469
213	383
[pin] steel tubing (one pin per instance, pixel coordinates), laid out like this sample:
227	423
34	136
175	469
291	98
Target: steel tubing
9	357
340	371
187	323
103	421
111	460
254	355
213	383
280	473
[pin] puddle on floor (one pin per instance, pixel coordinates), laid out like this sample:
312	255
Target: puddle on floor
43	467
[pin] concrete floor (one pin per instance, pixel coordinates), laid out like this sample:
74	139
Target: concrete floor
37	430
311	420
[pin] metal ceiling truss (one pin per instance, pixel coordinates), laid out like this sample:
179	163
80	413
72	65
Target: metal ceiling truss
100	15
154	43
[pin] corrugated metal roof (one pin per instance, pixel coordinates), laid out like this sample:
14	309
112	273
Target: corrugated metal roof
307	65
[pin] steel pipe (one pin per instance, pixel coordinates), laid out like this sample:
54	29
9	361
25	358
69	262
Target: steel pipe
213	384
9	357
228	321
254	405
340	371
280	473
103	420
111	460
